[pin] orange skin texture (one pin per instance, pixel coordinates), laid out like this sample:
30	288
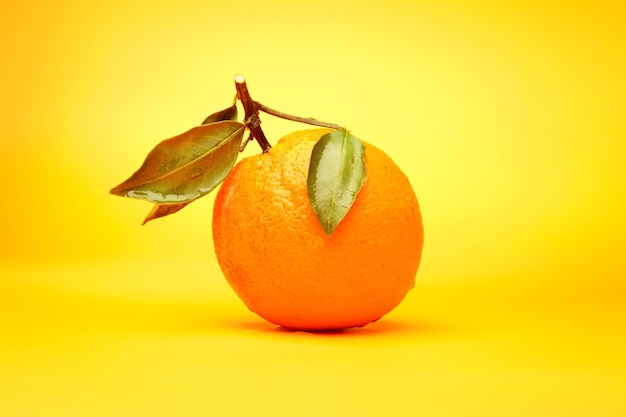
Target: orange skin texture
284	267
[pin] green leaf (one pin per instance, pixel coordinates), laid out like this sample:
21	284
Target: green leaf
226	114
336	174
162	210
187	166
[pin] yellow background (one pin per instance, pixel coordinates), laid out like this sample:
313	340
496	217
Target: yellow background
508	118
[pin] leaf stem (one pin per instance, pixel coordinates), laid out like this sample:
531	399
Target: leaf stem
253	122
307	120
251	109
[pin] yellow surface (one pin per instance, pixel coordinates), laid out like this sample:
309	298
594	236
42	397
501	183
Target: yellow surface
508	118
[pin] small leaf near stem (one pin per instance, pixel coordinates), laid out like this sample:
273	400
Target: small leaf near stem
229	113
162	210
336	174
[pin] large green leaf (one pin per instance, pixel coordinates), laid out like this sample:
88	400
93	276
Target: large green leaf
187	166
162	210
335	177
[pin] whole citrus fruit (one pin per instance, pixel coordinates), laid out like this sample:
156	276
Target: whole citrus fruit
276	256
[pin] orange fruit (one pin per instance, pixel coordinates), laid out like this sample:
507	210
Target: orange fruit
284	267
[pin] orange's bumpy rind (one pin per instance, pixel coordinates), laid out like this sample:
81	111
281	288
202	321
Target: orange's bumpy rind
284	267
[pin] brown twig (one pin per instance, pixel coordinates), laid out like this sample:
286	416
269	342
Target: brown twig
253	122
251	109
299	119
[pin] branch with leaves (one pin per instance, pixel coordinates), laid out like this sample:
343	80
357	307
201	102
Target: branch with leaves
186	167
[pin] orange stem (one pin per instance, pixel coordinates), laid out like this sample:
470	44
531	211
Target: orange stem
251	109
